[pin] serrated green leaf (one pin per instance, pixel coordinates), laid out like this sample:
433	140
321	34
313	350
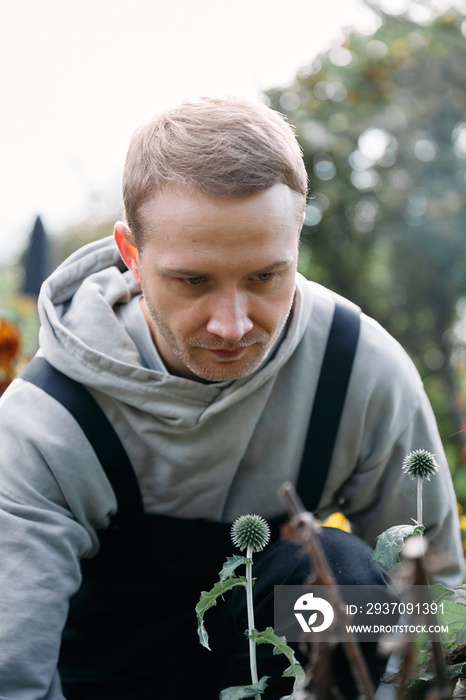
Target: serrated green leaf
453	615
454	670
389	545
280	646
439	592
456	593
279	643
238	692
231	565
208	599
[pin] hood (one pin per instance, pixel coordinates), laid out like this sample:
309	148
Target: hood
82	337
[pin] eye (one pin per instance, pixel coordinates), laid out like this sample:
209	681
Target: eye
193	281
264	276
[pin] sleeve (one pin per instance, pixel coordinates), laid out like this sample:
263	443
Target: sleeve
43	465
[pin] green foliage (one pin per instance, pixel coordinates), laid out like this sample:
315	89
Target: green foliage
208	599
452	671
452	613
294	670
229	580
381	120
230	566
420	686
237	692
390	543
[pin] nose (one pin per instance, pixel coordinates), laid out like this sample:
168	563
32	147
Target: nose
229	317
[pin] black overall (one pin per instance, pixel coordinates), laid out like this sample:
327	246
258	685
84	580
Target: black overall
131	631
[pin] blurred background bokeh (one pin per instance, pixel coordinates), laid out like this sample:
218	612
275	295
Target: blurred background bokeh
379	104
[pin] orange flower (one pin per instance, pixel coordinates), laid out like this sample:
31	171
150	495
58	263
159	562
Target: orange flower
10	343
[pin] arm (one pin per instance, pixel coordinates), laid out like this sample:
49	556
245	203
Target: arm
387	415
43	462
40	571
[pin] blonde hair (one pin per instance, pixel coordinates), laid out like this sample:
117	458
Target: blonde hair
220	147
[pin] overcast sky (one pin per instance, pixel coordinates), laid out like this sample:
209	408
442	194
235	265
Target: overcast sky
78	76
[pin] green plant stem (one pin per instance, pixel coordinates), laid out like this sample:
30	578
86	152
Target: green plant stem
419	521
251	626
419	500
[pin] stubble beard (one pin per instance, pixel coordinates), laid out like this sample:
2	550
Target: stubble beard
217	370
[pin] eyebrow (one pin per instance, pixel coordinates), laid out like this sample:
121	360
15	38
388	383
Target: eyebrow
197	273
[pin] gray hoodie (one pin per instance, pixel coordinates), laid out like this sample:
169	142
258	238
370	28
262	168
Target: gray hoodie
214	451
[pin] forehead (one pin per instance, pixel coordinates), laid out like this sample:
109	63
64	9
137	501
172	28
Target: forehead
195	223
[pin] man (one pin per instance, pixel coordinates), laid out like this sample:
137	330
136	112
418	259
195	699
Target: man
204	355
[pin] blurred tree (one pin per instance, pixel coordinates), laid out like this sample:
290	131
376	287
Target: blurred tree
76	236
36	259
382	122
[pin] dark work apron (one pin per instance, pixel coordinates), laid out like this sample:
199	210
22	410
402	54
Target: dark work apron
131	631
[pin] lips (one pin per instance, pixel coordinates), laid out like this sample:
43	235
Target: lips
228	354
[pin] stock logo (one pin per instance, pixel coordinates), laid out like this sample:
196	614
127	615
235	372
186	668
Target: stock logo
313	605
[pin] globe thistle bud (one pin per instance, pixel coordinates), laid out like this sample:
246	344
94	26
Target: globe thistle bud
250	531
420	464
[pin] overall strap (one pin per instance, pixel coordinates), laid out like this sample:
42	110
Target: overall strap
328	404
320	441
98	430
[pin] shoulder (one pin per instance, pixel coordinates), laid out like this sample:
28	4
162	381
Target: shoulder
384	352
46	457
382	369
33	415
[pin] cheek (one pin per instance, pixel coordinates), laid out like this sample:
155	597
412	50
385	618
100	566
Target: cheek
184	319
273	311
285	295
178	314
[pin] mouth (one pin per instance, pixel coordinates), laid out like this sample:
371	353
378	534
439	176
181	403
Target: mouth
233	354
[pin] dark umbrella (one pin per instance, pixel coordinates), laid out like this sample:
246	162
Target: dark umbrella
36	260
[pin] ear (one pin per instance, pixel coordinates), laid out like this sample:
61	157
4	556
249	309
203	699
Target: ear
127	247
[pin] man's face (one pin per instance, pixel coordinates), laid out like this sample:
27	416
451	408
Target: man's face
218	278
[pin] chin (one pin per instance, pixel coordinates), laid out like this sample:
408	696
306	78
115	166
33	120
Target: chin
226	371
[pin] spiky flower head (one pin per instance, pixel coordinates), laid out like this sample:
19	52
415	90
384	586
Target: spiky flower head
420	464
250	531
